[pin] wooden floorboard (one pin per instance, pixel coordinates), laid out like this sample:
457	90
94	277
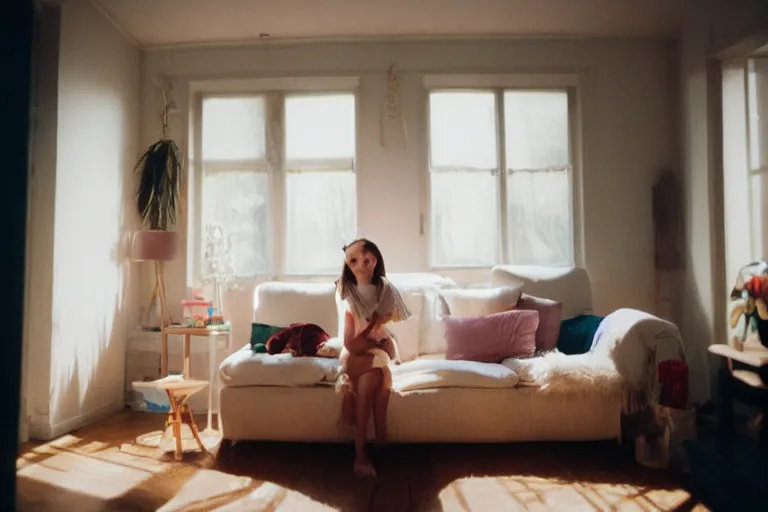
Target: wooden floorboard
98	468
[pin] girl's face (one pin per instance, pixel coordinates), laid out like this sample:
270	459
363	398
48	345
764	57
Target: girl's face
361	263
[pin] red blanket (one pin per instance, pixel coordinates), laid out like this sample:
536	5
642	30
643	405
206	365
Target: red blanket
673	376
298	339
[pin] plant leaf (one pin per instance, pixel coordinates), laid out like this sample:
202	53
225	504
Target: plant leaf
762	309
160	175
736	314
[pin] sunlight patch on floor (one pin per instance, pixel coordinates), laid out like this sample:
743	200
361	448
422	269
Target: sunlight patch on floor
205	489
273	497
89	476
492	494
106	473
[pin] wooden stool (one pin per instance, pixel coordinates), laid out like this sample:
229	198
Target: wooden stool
179	393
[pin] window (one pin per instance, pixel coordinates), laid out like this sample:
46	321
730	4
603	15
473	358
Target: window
744	143
278	173
481	216
746	164
235	185
320	190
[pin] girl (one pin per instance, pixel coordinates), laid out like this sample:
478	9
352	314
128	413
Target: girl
369	301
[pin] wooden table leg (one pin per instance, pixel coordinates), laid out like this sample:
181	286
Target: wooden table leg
163	352
724	404
175	419
189	419
186	355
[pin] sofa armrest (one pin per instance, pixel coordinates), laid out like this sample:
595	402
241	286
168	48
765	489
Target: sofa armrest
637	342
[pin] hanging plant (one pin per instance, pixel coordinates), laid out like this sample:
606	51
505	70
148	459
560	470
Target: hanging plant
159	170
160	176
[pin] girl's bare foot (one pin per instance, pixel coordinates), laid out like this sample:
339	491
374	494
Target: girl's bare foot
363	467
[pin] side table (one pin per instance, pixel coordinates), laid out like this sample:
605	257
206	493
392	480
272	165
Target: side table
745	379
188	333
179	391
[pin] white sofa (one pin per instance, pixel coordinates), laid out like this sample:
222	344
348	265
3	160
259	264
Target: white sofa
280	398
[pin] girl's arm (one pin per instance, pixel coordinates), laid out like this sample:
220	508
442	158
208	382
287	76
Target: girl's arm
378	321
357	344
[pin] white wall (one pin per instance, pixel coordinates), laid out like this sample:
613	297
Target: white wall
628	135
81	300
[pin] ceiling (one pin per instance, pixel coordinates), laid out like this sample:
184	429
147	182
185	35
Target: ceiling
153	23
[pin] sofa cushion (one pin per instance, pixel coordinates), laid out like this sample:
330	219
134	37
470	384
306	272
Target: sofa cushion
459	302
491	338
245	368
284	303
432	332
260	333
567	285
576	334
430	373
473	302
550	314
407	335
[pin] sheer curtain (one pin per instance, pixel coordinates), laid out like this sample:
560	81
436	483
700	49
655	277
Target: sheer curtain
235	184
463	188
469	218
320	187
538	155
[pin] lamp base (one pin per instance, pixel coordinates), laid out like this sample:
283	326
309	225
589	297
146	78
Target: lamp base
156	313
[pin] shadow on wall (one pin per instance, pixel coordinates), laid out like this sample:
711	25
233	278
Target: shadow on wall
92	320
696	329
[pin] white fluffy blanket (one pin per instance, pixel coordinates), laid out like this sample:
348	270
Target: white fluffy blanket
574	374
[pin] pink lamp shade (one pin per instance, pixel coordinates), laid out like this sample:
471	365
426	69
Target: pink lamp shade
154	245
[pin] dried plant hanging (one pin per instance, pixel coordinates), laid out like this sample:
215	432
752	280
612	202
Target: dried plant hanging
392	129
160	176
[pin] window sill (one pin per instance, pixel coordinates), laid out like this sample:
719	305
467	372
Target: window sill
333	275
461	267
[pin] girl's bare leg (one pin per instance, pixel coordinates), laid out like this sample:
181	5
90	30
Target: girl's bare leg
354	367
367	387
380	406
347	419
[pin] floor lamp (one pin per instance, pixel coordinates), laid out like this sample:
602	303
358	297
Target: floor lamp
156	246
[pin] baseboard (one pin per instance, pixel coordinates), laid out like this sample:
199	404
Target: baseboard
40	430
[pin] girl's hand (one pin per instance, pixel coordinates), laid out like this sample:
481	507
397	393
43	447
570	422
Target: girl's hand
374	322
378	320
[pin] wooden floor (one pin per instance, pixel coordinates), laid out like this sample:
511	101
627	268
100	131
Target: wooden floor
99	468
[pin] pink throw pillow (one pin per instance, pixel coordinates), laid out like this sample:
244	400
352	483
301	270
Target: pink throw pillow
550	319
491	338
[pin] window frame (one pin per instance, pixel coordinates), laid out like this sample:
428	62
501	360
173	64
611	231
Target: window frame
274	90
752	98
498	84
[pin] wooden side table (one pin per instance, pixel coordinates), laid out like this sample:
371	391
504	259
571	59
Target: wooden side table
744	379
179	392
188	332
181	412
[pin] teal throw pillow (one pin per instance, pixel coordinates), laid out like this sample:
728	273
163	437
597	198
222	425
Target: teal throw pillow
260	333
577	333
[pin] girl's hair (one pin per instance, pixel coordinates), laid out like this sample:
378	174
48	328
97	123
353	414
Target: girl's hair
347	278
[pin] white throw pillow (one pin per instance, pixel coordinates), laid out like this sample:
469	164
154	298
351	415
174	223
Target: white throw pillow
407	335
472	302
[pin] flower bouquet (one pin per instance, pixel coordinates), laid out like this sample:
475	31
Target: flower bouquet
749	300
